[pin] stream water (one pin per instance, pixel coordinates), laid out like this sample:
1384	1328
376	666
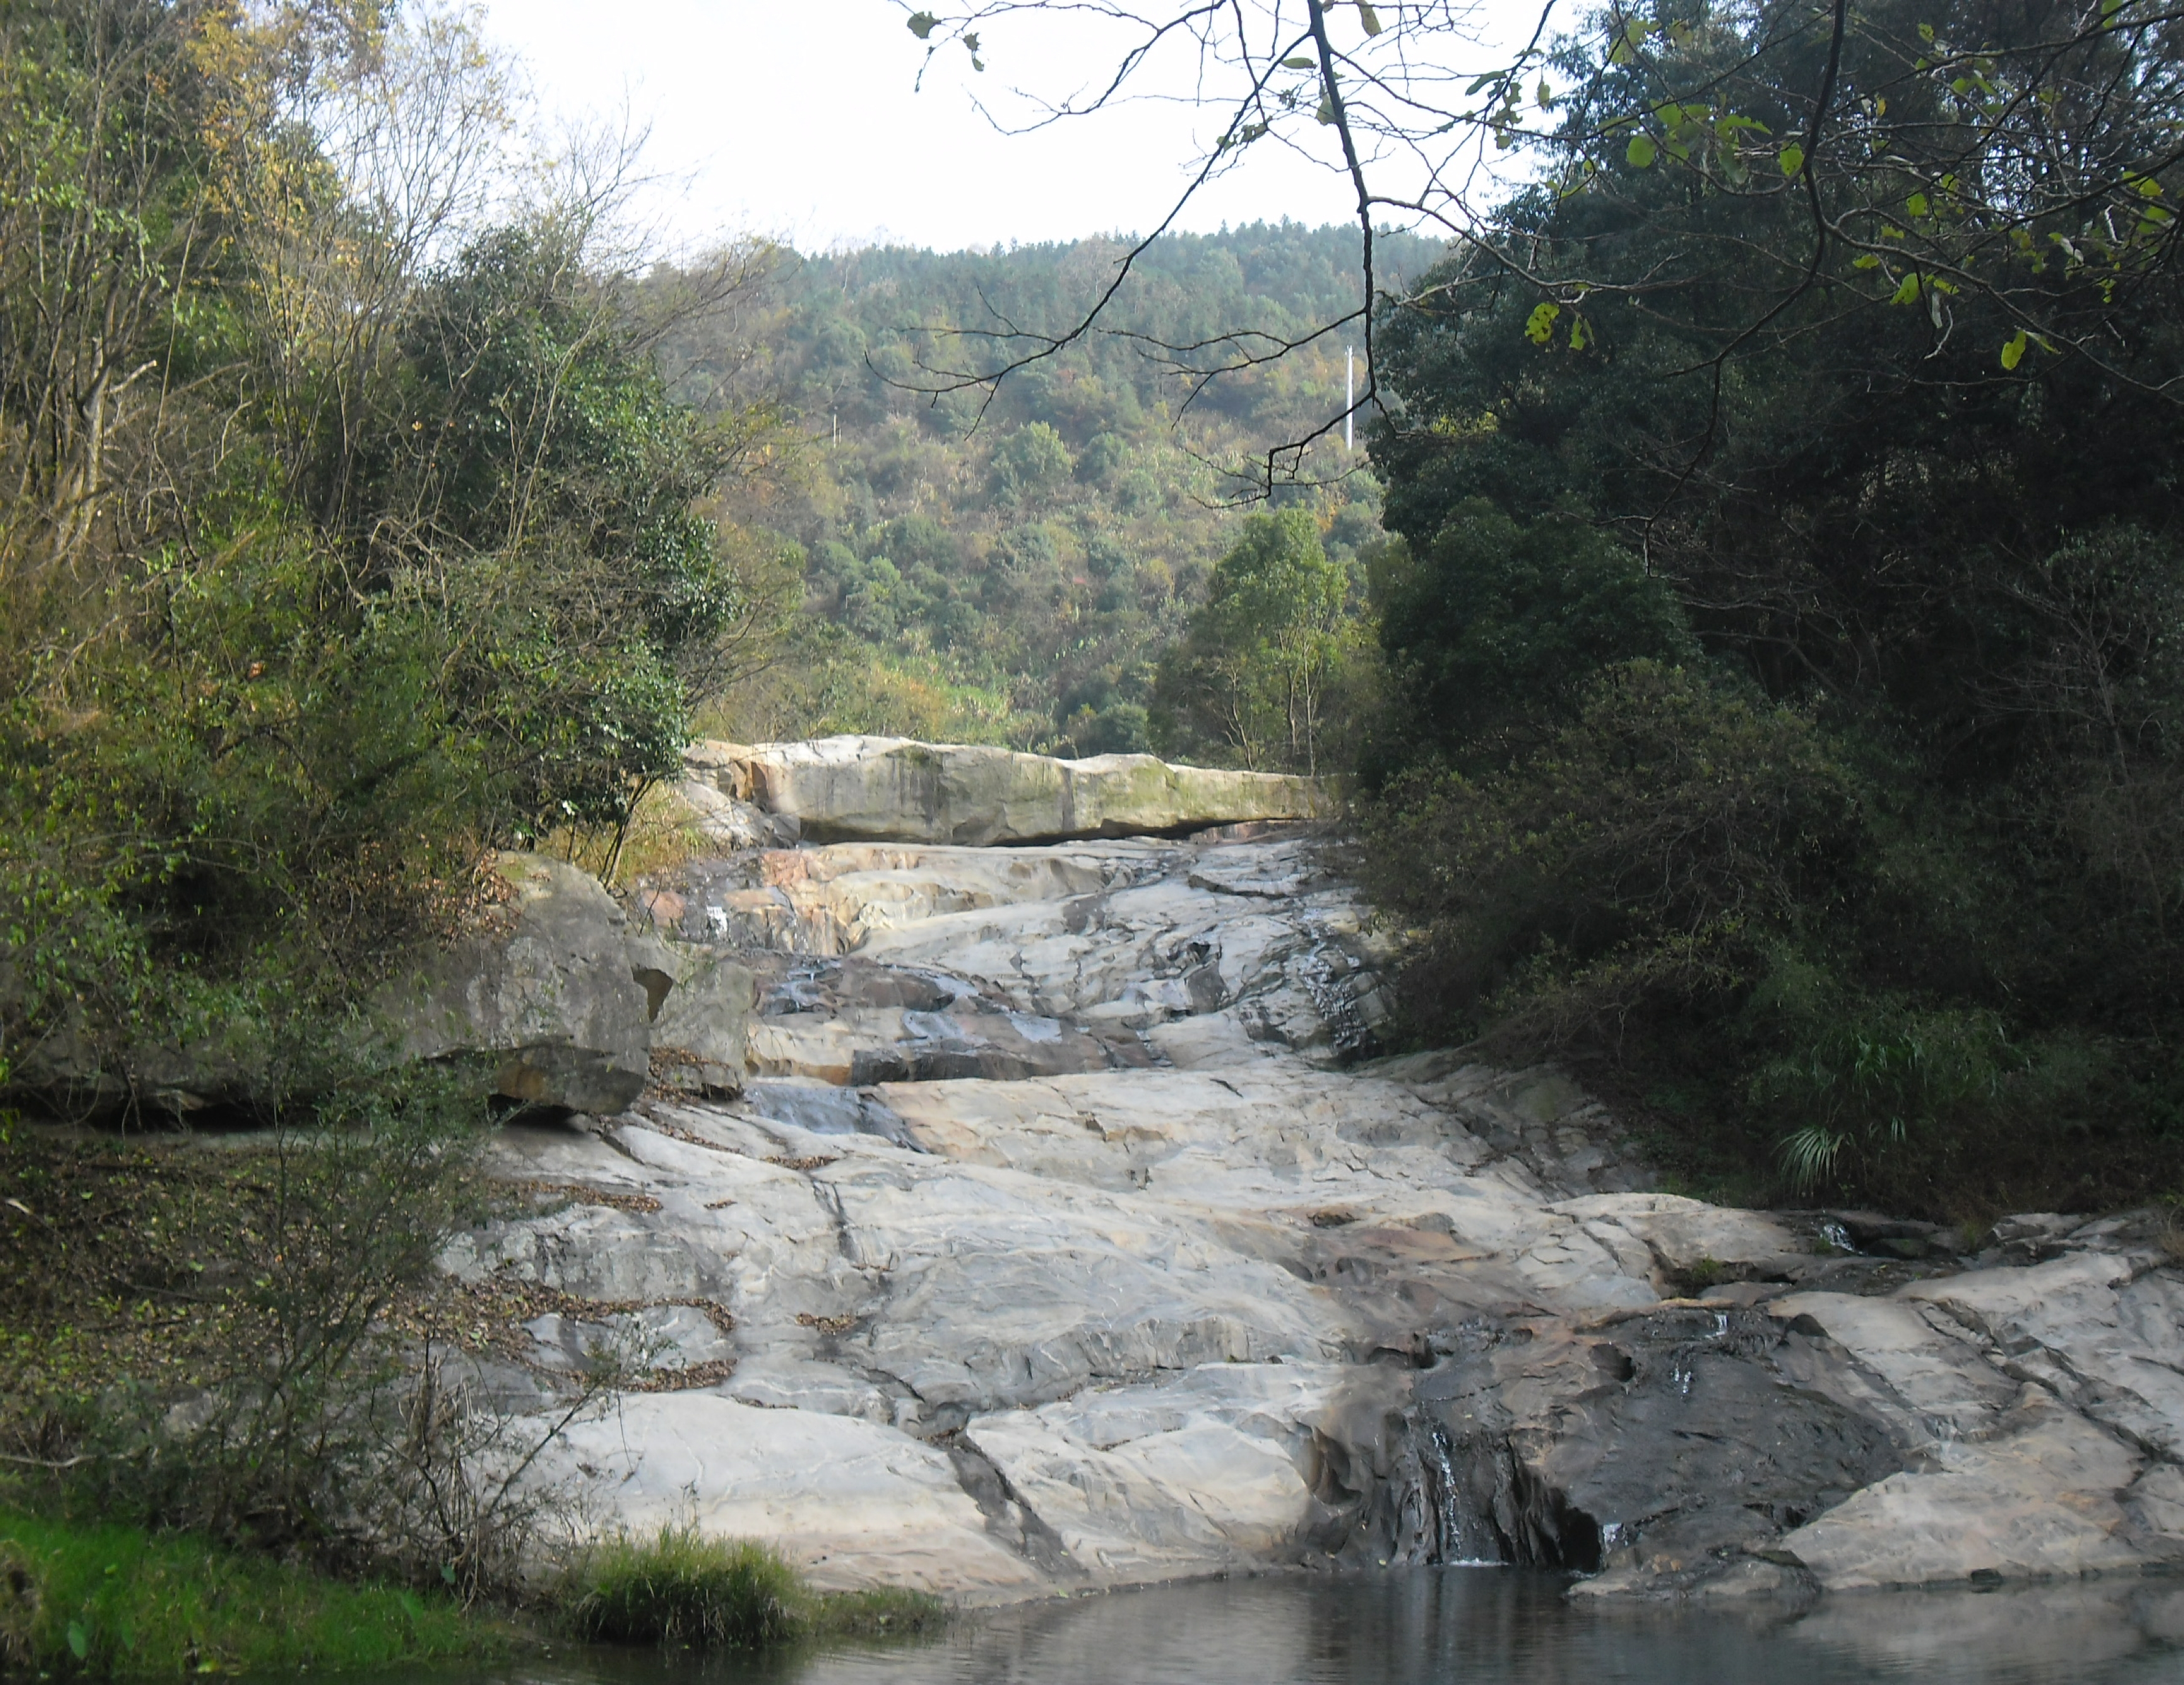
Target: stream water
1481	1627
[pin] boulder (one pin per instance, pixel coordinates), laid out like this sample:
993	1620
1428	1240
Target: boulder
849	1502
2041	1499
67	1072
547	998
883	789
552	997
701	1031
1695	1244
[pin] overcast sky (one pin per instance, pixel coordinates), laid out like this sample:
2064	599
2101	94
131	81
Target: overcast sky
798	119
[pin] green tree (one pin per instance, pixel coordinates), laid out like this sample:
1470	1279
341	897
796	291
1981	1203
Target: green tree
1498	628
1254	670
1033	462
1884	505
539	498
332	569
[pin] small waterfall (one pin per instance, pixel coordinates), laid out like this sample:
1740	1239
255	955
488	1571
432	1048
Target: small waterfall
1464	1532
1462	1496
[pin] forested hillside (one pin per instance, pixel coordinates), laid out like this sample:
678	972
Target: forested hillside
1007	564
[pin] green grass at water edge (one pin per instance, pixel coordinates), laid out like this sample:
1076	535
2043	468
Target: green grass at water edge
678	1588
112	1602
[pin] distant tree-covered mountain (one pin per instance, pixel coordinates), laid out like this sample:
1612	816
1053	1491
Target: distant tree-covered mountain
1007	563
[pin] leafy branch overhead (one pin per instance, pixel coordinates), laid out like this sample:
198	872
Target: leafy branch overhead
2000	175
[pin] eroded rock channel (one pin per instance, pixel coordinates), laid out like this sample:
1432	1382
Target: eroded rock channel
1002	1219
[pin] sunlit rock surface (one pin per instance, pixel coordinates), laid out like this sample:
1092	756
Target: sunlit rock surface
1069	1230
887	789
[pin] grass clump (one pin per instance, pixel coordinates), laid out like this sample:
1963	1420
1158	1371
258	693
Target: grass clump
121	1603
680	1588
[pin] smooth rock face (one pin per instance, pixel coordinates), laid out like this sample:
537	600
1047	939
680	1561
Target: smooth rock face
1065	1232
863	1502
2039	1500
886	788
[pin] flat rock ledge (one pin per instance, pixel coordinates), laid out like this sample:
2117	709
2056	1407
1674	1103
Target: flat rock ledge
1069	1230
889	789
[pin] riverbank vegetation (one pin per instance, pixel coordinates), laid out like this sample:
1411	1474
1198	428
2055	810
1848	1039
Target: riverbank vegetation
208	1333
101	1601
1787	714
110	1601
683	1589
232	1385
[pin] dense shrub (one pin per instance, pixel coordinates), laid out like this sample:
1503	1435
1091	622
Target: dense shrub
391	548
1491	612
1655	842
253	1280
1784	702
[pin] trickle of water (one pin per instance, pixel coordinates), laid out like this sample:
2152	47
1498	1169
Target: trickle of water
1444	1466
1462	1535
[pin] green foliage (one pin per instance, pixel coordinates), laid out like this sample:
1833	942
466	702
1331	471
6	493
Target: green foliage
681	1589
1648	846
1031	462
1783	704
1253	673
1873	1081
1102	451
1496	624
580	597
105	1602
368	566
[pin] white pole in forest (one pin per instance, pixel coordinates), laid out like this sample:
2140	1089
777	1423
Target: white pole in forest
1349	398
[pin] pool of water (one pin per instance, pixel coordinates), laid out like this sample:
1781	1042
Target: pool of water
1479	1626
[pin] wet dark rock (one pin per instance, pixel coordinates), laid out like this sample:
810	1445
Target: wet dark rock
1670	1446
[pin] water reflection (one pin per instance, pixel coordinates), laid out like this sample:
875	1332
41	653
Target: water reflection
1489	1627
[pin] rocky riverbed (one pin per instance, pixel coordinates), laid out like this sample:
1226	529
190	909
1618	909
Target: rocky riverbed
1002	1219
